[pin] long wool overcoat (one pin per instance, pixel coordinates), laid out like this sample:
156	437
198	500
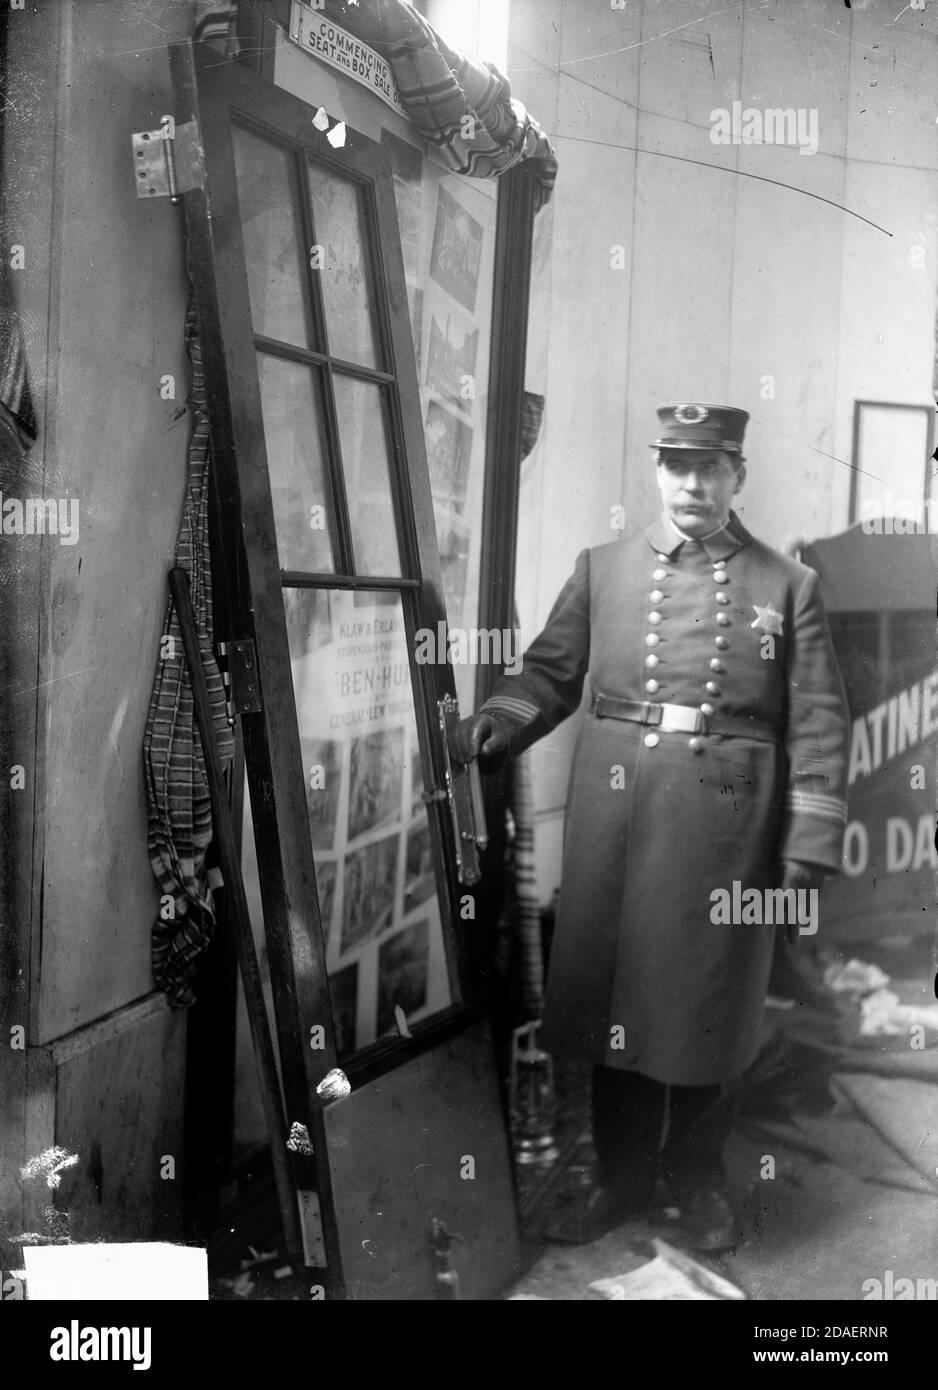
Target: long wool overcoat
641	977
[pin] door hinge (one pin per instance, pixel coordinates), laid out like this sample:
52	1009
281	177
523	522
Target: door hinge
238	664
168	162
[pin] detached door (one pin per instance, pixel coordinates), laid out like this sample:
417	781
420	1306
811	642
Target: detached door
331	565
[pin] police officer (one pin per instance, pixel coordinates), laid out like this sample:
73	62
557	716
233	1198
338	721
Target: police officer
711	761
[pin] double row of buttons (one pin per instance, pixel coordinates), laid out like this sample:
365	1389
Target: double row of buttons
721	642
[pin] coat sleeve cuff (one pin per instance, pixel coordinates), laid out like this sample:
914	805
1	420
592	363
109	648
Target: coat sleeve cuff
815	831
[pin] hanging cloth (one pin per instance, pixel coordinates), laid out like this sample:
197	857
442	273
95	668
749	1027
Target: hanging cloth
178	802
462	106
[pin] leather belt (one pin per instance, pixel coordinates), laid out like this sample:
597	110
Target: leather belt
679	719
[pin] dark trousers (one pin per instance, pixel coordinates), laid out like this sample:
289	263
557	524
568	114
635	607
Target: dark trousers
643	1128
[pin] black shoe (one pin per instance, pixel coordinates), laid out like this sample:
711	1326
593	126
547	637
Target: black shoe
589	1216
705	1221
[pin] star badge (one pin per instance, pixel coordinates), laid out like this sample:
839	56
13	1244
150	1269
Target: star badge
767	620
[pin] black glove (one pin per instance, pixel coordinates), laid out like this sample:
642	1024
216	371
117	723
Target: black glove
480	736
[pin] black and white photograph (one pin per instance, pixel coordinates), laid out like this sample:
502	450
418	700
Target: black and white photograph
451	359
322	766
369	887
376	781
449	450
457	250
468	573
402	974
326	871
419	884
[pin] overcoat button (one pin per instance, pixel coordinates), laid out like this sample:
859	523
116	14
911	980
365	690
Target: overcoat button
706	709
654	619
652	639
722	643
652	687
722	598
695	744
656	595
652	740
661	557
712	688
716	664
651	661
723	619
719	564
659	574
721	577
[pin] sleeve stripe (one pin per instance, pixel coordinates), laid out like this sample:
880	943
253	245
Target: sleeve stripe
517	709
816	804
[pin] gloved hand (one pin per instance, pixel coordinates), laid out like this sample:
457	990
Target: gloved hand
795	874
798	875
480	736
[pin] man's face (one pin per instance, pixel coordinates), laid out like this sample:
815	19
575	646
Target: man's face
697	488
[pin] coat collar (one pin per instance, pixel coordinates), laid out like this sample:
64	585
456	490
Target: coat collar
721	546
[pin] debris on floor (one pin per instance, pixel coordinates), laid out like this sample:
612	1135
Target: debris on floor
848	1117
672	1275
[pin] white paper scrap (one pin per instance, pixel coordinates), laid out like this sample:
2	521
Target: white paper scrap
671	1276
152	1271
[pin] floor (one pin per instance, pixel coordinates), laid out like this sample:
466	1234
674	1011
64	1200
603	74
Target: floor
833	1166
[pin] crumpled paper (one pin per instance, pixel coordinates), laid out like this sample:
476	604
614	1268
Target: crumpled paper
671	1275
856	977
881	1014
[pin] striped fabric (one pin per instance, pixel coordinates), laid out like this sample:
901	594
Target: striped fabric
462	107
527	906
178	804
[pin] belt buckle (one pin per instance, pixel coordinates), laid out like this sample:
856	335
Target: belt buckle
680	719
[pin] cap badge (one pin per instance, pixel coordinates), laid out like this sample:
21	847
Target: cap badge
691	414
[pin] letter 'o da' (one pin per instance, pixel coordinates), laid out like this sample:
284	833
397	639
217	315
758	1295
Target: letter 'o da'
856	849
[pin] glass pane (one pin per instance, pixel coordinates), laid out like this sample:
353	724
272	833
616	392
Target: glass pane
448	236
271	246
368	822
344	273
292	431
367	478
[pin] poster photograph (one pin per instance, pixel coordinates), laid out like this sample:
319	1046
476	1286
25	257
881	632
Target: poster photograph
449	450
451	359
419	882
325	886
402	974
376	779
369	891
322	765
457	250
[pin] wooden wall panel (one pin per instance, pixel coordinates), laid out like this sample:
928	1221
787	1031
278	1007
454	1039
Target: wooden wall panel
119	1106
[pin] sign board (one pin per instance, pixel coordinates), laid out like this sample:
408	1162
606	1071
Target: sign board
318	36
879	592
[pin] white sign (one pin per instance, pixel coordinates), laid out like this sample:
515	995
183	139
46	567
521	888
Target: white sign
340	49
145	1271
